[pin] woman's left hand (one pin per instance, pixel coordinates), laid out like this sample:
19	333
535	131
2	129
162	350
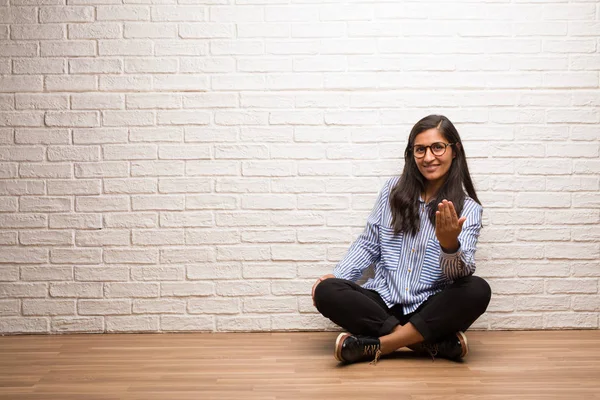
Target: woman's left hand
448	226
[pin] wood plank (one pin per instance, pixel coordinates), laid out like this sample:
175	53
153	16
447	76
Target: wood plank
500	365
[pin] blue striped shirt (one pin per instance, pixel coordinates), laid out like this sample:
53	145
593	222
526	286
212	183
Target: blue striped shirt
409	268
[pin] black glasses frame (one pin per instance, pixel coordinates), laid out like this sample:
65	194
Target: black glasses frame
430	148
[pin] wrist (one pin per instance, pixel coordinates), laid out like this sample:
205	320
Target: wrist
451	247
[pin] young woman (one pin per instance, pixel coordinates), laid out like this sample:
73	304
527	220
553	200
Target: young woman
421	235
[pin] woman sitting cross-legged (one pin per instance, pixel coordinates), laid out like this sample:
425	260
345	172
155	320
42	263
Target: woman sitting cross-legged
421	235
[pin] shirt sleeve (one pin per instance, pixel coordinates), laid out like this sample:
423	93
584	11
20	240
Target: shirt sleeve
462	262
366	248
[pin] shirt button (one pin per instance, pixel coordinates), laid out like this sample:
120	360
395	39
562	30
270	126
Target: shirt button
413	250
409	270
407	289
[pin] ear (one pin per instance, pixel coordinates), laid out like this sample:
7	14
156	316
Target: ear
454	152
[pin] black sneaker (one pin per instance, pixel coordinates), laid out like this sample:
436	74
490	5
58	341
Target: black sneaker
350	348
453	347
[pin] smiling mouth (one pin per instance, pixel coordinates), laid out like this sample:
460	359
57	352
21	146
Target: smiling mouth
431	167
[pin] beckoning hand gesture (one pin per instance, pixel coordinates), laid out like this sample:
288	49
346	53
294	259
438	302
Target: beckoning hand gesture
448	226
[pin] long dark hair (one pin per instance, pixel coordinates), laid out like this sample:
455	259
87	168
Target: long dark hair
404	197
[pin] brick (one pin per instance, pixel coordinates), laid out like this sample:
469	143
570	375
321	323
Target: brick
23	325
18	49
104	307
267	168
186	323
158	202
22	187
123	13
160	273
95	66
270	305
48	307
76	256
101	170
133	118
130	186
187	152
174	134
268	236
215	305
11	84
153	101
571	320
162	306
130	256
210	202
8	238
23	256
24	221
149	30
46	273
243	253
210	168
206	30
71	289
9	170
243	288
572	286
129	152
102	203
188	255
296	218
157	237
129	290
80	119
268	202
187	289
107	237
206	65
570	250
9	308
21	119
247	185
516	321
42	136
189	47
45	204
243	324
66	14
151	65
39	66
70	83
542	303
301	323
97	101
211	271
72	48
9	273
74	187
586	303
269	271
297	253
132	324
101	274
184	83
125	83
45	238
157	168
131	220
186	220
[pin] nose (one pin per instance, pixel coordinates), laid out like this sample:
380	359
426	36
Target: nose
428	155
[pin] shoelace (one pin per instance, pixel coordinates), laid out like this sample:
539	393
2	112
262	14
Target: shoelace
372	349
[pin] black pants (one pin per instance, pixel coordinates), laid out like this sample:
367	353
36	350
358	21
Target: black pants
362	312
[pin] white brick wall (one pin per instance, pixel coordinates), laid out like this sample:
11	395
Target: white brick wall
195	167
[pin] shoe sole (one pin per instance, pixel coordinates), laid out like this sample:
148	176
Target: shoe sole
338	346
463	342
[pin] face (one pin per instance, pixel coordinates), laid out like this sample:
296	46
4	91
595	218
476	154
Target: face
433	168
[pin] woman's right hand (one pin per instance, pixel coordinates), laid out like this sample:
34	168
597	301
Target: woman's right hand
321	279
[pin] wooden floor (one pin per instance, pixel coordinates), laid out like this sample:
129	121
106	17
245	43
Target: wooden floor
500	365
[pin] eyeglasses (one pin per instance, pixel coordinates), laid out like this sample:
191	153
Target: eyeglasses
437	148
